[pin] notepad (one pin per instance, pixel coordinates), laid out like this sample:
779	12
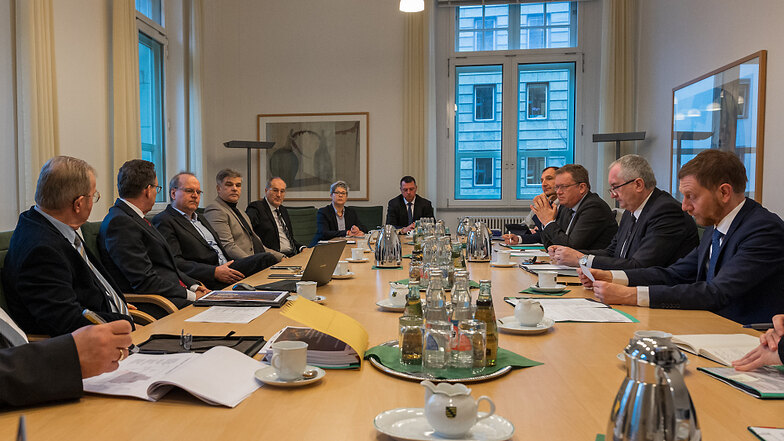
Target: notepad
768	433
578	310
766	382
721	348
220	376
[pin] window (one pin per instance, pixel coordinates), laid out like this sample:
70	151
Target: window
484	102
152	49
514	113
517	26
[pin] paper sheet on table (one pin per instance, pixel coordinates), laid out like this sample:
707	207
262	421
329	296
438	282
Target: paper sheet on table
579	310
530	253
768	433
229	314
587	272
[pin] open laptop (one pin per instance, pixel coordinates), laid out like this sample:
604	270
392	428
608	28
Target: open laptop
319	269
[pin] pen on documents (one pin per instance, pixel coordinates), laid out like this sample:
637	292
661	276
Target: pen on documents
98	320
759	326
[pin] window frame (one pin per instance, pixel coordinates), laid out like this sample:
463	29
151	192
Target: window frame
492	102
509	60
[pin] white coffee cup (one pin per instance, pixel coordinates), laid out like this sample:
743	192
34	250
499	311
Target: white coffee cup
342	268
651	334
397	293
306	290
362	244
502	257
547	279
289	359
357	253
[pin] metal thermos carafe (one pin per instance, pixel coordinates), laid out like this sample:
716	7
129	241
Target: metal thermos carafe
387	251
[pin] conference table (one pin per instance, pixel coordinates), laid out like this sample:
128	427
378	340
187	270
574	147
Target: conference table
567	398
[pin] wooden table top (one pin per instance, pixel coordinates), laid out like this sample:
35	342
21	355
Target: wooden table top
567	398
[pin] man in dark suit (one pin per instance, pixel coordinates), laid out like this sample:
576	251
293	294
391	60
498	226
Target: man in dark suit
52	369
737	271
408	207
50	277
519	233
270	219
654	230
583	220
193	242
336	219
135	253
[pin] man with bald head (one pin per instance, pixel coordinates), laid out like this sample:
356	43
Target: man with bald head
270	219
194	243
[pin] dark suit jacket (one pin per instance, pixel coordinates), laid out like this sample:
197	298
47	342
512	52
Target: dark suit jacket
47	283
46	370
263	222
662	235
593	225
138	257
397	214
748	285
327	223
192	254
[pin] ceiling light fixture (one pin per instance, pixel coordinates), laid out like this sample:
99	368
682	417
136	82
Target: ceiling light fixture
412	5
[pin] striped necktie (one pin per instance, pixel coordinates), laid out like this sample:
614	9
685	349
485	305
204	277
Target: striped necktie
117	304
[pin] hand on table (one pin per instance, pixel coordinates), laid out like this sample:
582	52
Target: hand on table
767	352
561	255
614	294
511	239
101	347
405	230
354	232
227	275
597	275
202	291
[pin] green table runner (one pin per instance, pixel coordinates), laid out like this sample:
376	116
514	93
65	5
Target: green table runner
389	356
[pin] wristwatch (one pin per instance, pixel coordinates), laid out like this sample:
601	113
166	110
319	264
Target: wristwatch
584	260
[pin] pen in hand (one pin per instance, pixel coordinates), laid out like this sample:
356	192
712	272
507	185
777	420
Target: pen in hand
759	326
98	320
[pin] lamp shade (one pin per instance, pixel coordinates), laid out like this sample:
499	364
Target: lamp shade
412	5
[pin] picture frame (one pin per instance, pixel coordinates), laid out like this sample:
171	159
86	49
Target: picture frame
313	150
723	109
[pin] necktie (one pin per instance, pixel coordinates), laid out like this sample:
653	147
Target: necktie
258	247
285	227
118	305
714	257
625	246
9	331
570	213
410	213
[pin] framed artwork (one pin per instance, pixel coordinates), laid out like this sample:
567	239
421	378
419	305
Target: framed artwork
723	109
313	150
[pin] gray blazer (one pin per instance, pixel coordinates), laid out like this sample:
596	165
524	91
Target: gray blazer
235	238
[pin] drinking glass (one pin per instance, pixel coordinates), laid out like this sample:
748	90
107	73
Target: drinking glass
410	339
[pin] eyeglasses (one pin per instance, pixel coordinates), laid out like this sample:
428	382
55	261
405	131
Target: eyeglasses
340	193
157	188
95	197
190	190
564	187
614	188
277	190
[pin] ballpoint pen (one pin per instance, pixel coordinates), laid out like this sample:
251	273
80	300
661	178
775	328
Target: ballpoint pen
759	326
98	320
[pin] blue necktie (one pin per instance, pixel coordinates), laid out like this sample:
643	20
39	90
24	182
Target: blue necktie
714	257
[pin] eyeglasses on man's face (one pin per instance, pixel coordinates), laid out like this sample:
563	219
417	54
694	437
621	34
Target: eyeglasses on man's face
190	191
565	186
614	188
95	197
157	188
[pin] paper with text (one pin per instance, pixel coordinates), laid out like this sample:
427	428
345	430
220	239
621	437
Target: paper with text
229	314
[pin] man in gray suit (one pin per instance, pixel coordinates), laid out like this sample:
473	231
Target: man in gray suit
232	224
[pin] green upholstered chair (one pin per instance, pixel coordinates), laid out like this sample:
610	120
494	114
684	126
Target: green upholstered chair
371	217
303	223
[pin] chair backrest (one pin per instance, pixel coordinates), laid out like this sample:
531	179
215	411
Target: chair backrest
371	217
303	223
90	233
5	241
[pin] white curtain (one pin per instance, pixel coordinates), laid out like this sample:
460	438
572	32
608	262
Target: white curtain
36	94
414	76
125	84
195	122
617	105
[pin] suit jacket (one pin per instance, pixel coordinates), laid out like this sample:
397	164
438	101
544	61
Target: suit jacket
48	284
192	254
264	224
138	257
662	235
397	214
593	226
46	370
748	284
232	234
327	223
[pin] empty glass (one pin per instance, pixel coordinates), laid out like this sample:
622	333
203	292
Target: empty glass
435	353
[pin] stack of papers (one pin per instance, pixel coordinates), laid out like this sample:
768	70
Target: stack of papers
229	314
323	350
765	382
579	310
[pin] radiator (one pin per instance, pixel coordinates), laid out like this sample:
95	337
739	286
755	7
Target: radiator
497	222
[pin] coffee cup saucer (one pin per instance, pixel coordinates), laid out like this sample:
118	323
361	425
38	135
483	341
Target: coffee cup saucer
556	288
503	265
358	260
318	299
410	424
512	326
387	305
348	275
267	375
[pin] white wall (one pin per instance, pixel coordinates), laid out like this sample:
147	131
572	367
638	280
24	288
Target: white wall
298	56
8	197
681	40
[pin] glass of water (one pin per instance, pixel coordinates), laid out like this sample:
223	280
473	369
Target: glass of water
435	354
